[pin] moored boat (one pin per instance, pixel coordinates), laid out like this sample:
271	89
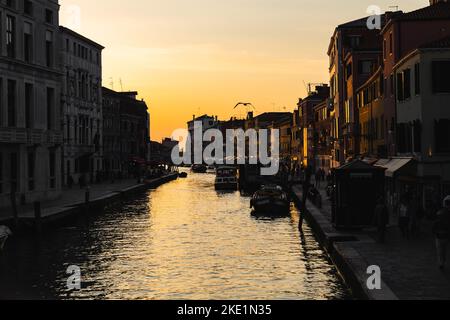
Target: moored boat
270	199
199	168
226	178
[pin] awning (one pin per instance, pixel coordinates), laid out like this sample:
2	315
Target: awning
393	165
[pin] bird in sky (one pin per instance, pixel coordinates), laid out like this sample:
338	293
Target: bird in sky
246	104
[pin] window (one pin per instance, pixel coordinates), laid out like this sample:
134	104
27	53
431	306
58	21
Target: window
49	16
391	43
11	3
28	7
13	171
49	48
50	107
407	84
440	76
68	128
11	103
400	90
11	36
417	79
441	134
31	166
391	83
28	105
27	42
52	169
349	70
365	66
1	173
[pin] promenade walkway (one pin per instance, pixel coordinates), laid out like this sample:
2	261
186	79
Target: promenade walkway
409	267
70	197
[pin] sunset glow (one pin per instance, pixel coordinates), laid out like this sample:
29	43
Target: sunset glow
200	56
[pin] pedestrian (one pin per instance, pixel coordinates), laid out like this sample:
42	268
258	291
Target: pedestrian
441	231
404	218
317	177
306	186
381	219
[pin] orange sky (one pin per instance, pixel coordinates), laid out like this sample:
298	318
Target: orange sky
203	56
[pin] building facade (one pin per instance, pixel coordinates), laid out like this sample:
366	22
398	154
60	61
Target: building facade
306	119
423	116
372	123
82	107
207	122
322	134
126	135
352	52
30	87
403	33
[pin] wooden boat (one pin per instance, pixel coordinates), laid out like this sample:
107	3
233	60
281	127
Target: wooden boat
199	168
270	199
226	178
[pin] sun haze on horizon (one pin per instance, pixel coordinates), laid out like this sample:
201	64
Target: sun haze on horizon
202	57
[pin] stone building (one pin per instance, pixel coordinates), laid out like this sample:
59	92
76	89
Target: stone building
82	106
30	88
352	51
126	132
306	119
423	116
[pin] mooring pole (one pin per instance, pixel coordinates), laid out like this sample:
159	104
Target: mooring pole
14	208
37	216
87	196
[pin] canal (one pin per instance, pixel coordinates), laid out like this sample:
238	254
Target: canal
183	240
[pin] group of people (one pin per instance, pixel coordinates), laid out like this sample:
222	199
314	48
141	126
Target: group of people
410	214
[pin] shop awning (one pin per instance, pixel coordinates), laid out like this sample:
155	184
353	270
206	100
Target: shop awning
393	165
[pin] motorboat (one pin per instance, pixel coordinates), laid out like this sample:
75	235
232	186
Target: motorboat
270	199
5	232
182	175
226	178
199	168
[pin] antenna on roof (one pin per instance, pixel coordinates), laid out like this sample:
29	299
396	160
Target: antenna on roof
111	83
121	86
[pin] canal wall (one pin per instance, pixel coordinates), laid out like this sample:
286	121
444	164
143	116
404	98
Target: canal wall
58	214
338	244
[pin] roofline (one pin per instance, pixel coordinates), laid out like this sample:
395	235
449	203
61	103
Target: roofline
75	34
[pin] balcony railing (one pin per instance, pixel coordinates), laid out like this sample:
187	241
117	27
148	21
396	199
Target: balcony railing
29	136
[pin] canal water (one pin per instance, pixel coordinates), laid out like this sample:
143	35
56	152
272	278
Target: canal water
183	240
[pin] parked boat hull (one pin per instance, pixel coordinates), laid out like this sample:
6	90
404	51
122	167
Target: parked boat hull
226	186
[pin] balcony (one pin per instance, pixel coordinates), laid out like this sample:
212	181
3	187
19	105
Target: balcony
29	136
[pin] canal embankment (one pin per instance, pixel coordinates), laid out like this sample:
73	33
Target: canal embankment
77	201
409	269
338	244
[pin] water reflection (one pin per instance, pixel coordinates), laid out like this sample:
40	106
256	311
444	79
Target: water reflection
183	240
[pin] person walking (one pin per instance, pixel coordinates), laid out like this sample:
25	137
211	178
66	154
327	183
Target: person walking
404	217
441	231
381	219
306	186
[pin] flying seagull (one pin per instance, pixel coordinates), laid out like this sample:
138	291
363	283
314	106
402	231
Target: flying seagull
246	104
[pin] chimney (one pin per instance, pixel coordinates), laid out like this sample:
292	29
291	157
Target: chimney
250	115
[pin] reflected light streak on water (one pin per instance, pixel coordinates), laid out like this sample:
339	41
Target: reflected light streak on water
181	241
